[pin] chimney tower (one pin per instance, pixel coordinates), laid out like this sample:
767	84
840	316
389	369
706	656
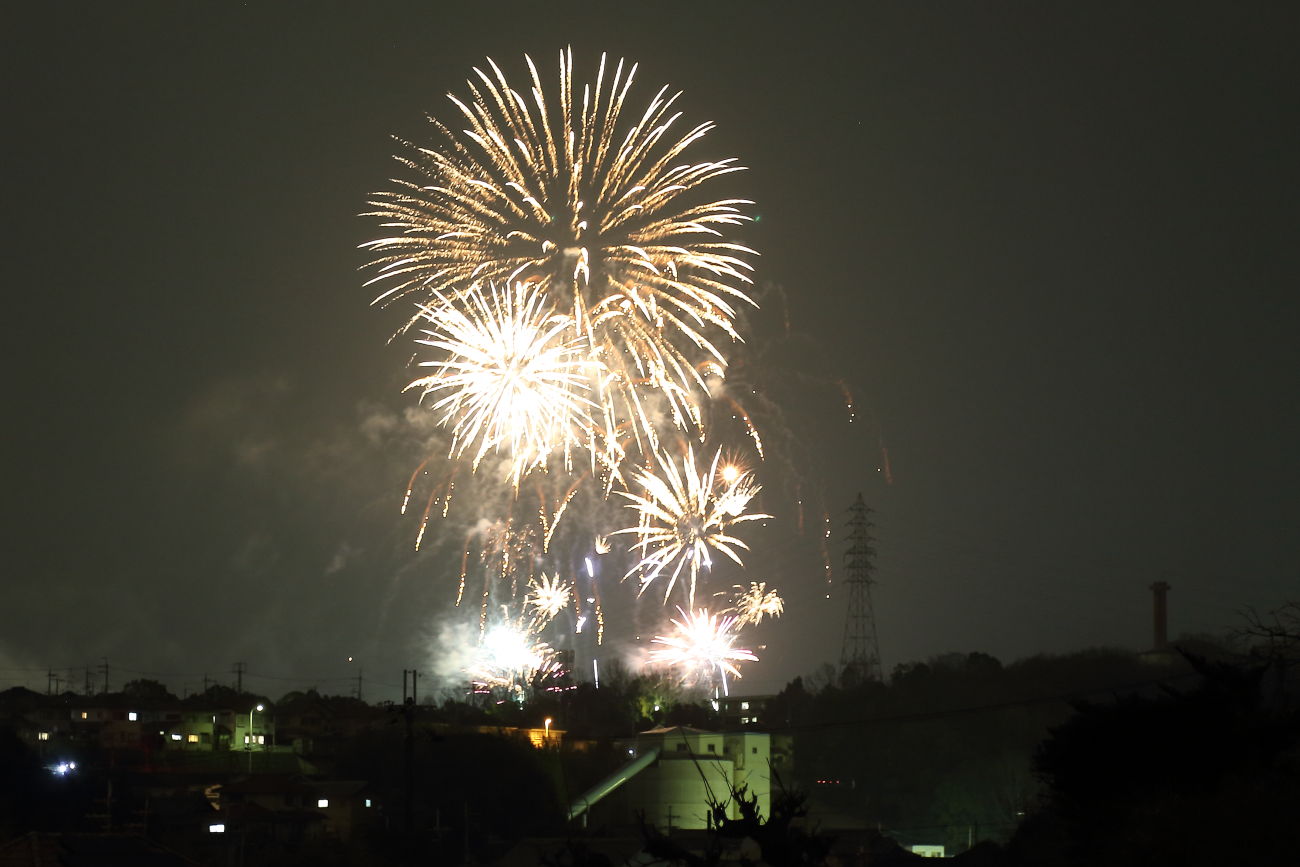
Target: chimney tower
1160	616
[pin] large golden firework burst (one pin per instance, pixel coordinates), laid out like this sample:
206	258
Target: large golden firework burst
596	205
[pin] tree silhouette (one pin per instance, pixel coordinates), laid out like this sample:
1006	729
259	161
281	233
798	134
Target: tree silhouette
1195	777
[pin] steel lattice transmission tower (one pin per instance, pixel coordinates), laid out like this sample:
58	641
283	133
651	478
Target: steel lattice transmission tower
860	656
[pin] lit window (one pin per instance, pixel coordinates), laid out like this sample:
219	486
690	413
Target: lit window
175	736
261	739
191	739
323	803
367	802
43	736
133	716
217	829
744	705
247	739
83	715
744	720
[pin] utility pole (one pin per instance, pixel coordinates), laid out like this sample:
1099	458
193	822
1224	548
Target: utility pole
408	712
860	654
104	670
415	675
89	688
238	671
52	683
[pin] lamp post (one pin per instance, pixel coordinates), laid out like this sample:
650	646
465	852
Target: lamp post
258	709
548	731
250	737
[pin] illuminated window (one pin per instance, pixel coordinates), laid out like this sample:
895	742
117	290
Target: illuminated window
133	716
217	829
367	802
83	715
191	739
247	739
744	705
43	736
175	736
323	803
261	739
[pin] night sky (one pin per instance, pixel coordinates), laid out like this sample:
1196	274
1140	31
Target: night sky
1050	248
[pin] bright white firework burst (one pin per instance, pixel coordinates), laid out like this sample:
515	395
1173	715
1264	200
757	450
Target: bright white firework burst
547	597
702	645
510	376
509	655
685	514
597	207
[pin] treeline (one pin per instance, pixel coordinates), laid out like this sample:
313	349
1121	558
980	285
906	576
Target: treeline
943	752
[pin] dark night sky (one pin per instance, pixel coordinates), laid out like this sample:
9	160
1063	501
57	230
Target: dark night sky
1052	247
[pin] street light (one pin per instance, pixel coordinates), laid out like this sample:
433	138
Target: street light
548	730
258	709
250	738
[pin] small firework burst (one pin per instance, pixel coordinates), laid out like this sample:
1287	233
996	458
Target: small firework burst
755	602
702	647
685	514
547	597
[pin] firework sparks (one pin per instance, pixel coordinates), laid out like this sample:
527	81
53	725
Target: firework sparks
510	376
701	645
685	514
597	208
576	282
508	655
547	597
755	602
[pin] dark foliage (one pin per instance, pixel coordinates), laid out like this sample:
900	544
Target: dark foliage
1201	776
